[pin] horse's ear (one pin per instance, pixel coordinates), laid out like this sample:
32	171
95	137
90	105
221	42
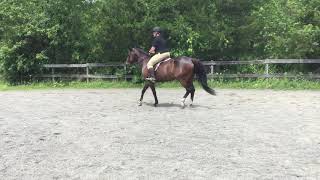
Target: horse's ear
130	49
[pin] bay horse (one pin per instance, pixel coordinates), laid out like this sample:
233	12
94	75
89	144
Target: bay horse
182	69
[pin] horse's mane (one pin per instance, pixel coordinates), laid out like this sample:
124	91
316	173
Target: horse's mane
142	51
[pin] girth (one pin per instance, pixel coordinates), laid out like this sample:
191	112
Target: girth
158	64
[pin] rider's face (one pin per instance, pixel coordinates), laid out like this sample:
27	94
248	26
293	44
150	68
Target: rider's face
155	34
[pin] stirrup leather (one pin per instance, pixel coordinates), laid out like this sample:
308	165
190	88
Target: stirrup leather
152	79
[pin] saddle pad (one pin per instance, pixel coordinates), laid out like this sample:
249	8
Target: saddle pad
158	65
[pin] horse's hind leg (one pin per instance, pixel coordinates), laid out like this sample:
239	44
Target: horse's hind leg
192	90
185	97
189	89
146	86
154	94
185	84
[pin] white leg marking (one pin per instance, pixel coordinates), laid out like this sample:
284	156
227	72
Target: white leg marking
183	102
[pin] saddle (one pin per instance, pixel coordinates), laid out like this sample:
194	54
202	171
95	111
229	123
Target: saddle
158	64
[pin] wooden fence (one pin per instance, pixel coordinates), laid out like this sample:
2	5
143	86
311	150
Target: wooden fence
209	64
266	63
87	68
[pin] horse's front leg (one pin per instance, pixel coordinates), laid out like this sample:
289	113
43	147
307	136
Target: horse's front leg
154	94
146	86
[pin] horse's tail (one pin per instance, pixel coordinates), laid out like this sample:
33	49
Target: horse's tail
200	71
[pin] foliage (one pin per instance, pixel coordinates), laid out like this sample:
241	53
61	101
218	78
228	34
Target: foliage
34	32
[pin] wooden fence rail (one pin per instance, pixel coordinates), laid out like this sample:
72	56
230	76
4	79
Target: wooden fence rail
265	62
87	67
210	64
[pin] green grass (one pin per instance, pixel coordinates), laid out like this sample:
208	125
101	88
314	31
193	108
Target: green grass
69	85
278	84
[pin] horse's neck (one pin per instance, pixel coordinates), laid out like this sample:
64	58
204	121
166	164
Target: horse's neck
143	61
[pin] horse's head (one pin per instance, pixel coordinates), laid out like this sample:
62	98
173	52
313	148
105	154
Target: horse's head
132	56
136	55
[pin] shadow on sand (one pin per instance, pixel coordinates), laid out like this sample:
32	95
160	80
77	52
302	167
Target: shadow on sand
173	105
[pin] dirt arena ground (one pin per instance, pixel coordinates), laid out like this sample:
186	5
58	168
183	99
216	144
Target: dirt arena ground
103	134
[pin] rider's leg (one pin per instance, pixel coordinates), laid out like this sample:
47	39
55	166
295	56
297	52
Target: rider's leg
151	75
154	60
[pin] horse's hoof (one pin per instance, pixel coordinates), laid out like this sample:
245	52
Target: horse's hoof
156	103
183	102
140	103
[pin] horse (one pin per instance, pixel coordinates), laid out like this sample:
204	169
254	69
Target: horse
182	69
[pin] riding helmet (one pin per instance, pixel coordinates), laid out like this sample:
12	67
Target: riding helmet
156	29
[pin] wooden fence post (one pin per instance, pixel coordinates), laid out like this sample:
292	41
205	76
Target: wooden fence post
212	67
267	69
87	72
125	72
52	73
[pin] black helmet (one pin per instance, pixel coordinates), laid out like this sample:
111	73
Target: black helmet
156	29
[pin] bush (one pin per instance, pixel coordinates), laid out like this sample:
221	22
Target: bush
22	61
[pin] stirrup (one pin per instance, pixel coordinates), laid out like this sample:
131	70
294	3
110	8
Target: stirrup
152	79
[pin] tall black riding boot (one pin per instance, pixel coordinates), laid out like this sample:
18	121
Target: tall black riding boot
151	75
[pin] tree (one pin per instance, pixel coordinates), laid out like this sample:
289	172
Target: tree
34	32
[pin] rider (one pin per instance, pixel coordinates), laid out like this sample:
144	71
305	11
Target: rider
159	49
